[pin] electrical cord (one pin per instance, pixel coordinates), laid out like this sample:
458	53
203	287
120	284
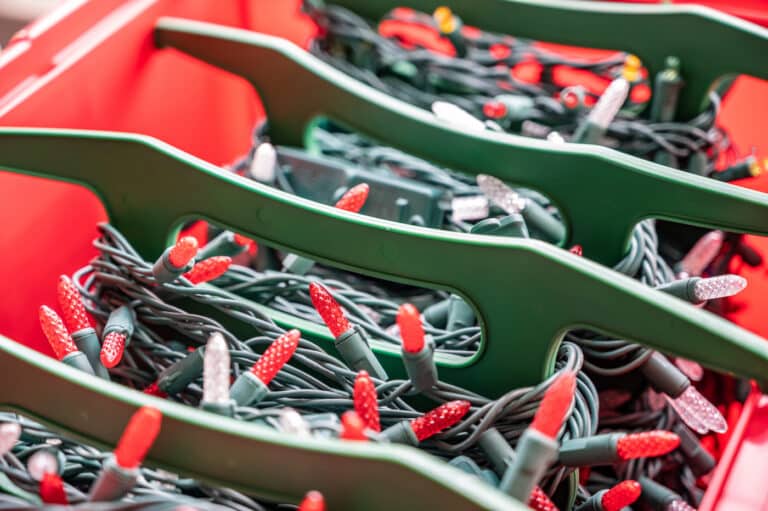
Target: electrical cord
80	465
313	381
422	76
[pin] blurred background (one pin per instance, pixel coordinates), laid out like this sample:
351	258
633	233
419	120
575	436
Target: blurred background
14	14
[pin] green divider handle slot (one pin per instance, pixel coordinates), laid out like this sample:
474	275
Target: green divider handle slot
527	292
601	193
246	457
710	44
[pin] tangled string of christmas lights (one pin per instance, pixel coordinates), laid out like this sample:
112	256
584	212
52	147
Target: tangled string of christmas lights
516	83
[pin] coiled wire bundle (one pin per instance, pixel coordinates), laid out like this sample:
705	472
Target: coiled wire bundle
79	466
313	382
477	71
604	357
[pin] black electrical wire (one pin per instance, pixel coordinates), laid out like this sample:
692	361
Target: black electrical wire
81	464
313	381
421	77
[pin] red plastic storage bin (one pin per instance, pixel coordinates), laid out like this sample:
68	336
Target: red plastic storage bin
93	65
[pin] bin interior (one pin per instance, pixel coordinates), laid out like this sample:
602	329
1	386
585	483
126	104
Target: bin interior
93	65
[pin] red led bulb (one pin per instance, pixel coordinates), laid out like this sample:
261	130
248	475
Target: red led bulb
570	100
494	109
621	495
500	51
52	489
154	390
208	269
646	444
71	304
352	426
241	240
56	333
138	437
329	309
313	501
554	408
248	243
540	501
366	401
276	356
354	199
442	417
576	249
112	349
183	252
411	330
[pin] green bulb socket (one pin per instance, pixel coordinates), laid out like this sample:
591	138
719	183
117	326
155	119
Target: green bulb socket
460	314
497	449
297	264
421	367
87	341
590	451
666	91
540	221
437	313
354	349
656	495
113	483
178	376
78	360
468	465
535	453
400	433
664	376
248	389
226	409
121	320
588	132
164	271
512	225
222	245
698	458
683	289
593	503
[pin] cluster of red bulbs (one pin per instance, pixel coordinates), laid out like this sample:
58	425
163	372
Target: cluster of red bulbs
548	421
75	317
359	424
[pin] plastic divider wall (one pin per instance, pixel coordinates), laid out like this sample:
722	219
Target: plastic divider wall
93	65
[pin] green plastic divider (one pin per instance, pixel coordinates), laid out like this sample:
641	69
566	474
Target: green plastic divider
710	44
527	293
601	193
234	454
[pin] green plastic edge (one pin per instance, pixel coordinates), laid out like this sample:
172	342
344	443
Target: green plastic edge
584	181
246	457
527	293
710	44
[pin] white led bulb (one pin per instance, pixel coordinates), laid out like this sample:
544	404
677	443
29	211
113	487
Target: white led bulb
697	412
679	505
609	104
42	462
216	370
555	137
291	422
702	254
500	194
474	207
456	116
690	368
264	163
9	435
718	287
